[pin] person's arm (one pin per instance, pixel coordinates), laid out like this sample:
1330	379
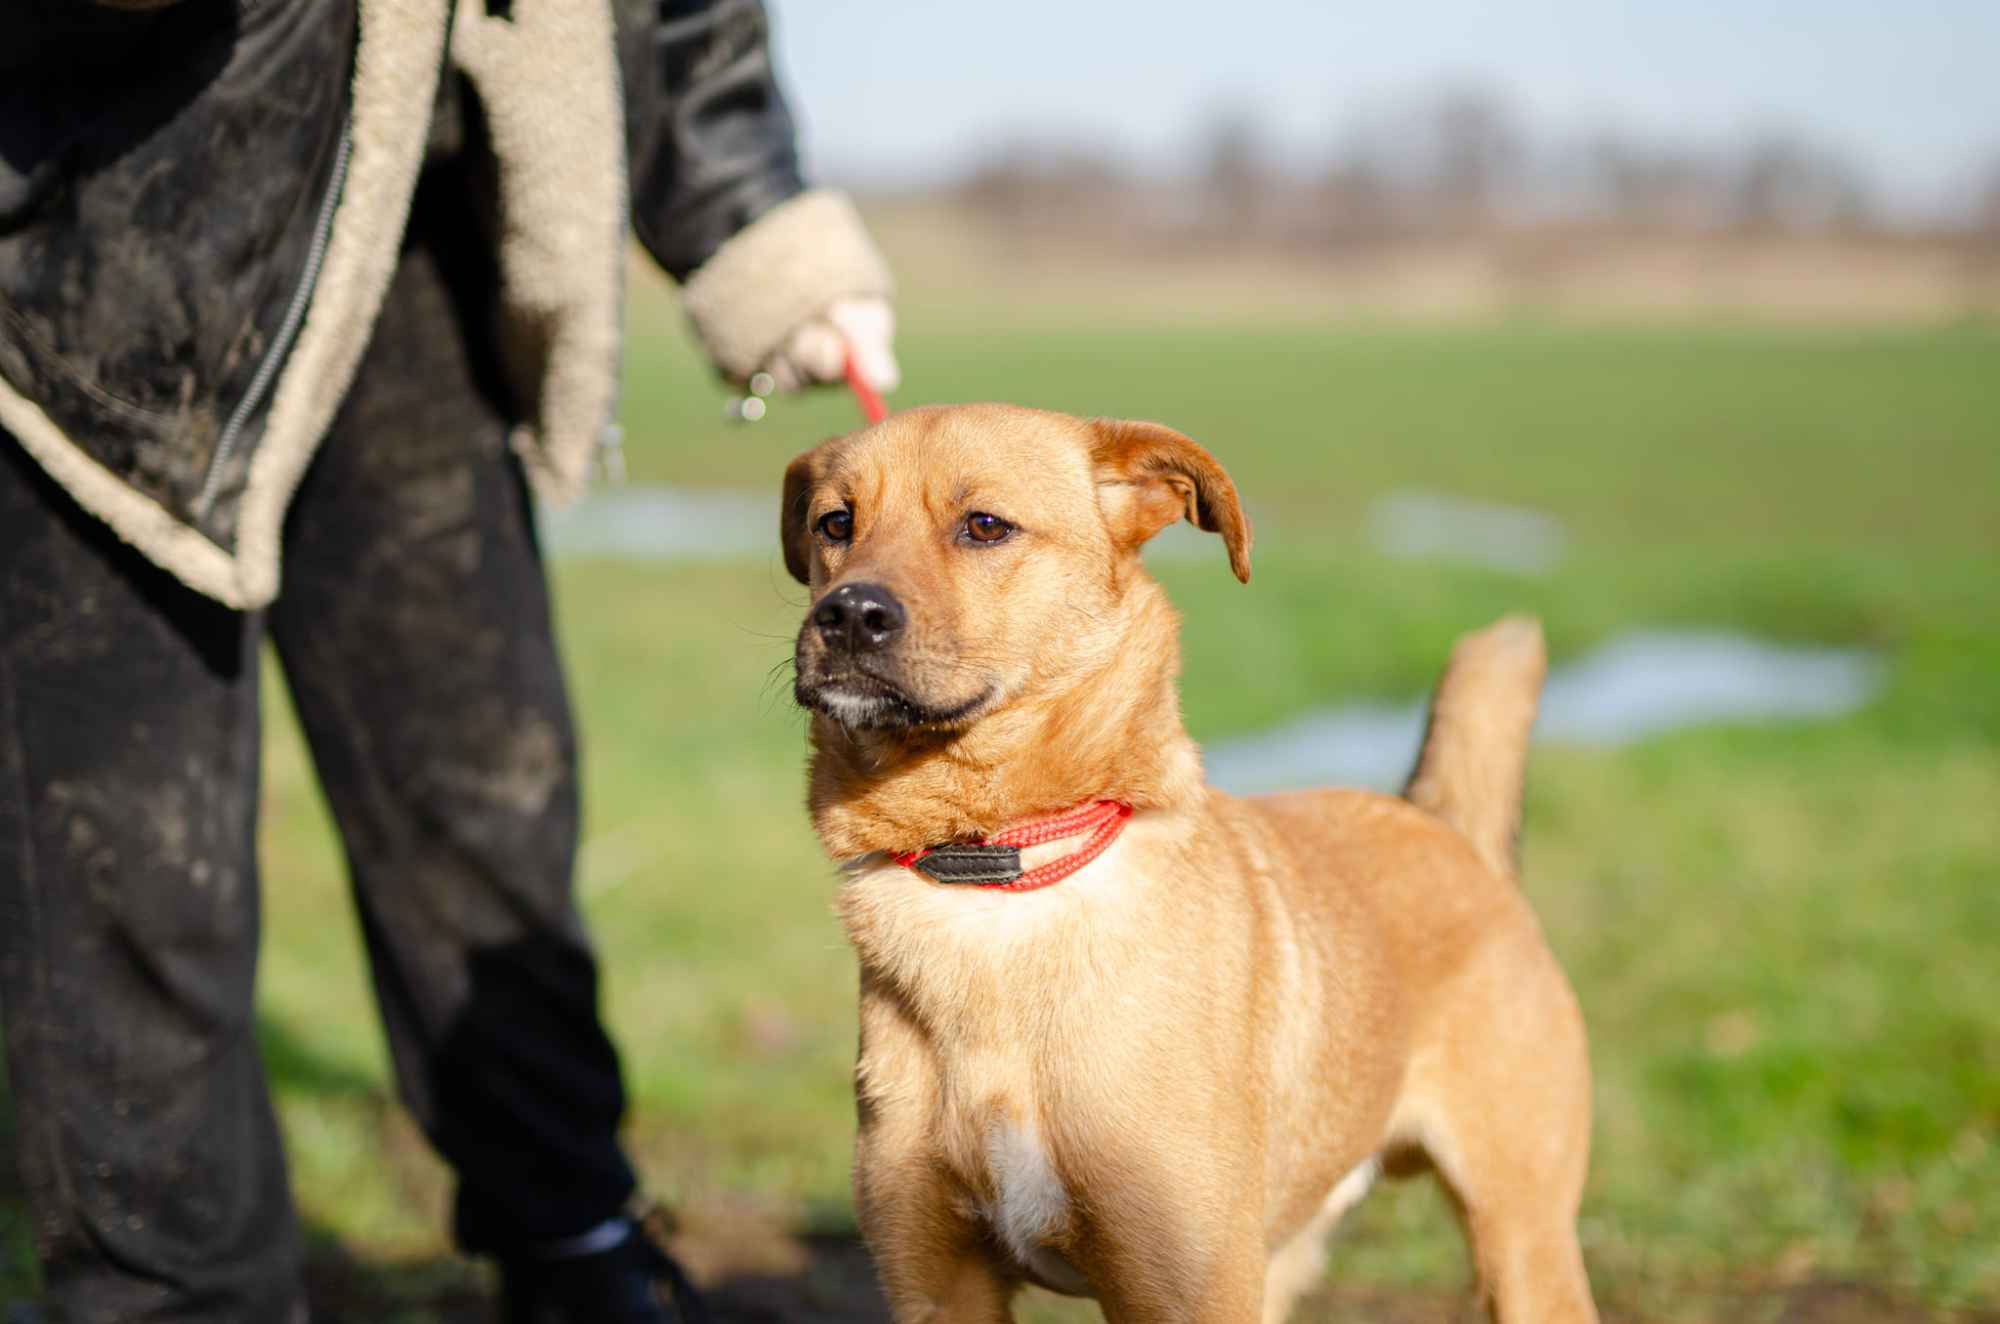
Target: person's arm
710	136
776	277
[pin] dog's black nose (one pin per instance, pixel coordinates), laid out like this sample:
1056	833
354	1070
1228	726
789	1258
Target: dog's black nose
859	618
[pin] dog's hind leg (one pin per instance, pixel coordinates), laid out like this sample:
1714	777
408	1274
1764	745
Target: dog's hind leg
1523	1234
1518	1206
1500	1102
1530	1267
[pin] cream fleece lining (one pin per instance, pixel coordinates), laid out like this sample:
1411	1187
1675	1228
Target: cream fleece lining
548	81
783	269
396	65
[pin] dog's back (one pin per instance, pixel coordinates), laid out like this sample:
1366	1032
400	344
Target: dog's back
1448	843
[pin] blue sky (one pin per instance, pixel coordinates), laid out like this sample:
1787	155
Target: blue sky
899	90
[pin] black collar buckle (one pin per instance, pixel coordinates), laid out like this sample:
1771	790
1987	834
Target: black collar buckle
969	863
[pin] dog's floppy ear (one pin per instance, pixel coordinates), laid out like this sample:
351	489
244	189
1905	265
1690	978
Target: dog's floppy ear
1149	475
793	534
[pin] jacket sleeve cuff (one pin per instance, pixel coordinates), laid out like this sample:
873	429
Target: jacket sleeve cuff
782	269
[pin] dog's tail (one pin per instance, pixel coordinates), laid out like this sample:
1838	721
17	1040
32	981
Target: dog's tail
1475	752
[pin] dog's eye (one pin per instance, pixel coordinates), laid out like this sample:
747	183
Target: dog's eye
982	527
836	525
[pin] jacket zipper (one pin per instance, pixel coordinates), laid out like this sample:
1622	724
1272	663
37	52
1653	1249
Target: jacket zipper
288	329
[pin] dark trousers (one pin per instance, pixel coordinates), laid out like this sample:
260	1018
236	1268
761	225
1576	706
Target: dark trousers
414	629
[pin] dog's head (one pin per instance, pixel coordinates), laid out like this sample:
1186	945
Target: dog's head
963	559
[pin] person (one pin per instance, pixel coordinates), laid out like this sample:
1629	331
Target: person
299	303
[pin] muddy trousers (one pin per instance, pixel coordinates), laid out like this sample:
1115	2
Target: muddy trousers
414	633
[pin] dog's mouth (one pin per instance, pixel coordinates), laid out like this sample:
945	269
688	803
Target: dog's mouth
863	701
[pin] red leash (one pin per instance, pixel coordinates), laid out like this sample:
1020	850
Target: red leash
865	394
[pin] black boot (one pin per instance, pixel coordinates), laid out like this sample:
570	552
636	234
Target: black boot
633	1282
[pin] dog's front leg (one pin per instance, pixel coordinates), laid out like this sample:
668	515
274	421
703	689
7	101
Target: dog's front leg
934	1263
1208	1273
947	1287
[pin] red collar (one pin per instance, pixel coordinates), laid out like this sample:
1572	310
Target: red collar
996	862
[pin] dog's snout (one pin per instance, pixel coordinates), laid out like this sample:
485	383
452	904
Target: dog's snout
859	618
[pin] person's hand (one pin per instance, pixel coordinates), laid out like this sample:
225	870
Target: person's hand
792	293
816	352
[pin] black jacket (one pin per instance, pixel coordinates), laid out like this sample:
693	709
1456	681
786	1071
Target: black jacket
710	138
167	174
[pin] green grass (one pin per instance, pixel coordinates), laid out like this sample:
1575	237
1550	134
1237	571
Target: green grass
1727	437
1783	936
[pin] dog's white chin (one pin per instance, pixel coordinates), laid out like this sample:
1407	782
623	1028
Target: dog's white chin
868	705
851	709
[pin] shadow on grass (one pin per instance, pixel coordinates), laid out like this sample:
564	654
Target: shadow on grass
834	1284
758	1270
346	1288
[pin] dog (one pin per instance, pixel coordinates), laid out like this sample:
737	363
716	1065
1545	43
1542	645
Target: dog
1123	1035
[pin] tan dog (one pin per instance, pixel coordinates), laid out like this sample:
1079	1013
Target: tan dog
1160	1080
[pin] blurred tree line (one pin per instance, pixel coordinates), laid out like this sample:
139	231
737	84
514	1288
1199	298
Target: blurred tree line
1460	162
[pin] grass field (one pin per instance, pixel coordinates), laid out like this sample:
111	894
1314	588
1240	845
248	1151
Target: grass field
1783	936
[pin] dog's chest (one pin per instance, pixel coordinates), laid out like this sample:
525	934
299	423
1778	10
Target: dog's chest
982	1126
1029	1204
983	1004
958	949
991	998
